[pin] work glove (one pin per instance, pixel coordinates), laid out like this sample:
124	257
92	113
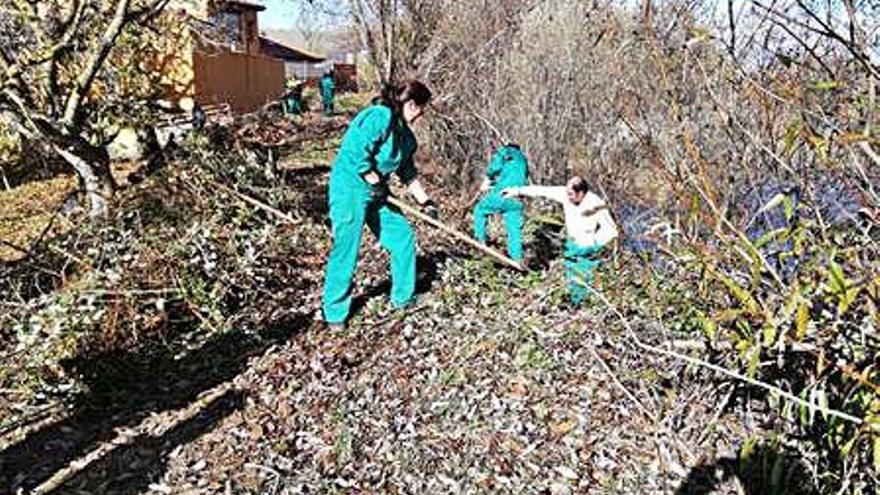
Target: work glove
380	190
430	209
509	192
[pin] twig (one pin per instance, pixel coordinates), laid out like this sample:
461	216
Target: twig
866	147
266	469
724	371
22	428
15	247
69	256
116	292
51	221
715	417
128	437
610	373
259	204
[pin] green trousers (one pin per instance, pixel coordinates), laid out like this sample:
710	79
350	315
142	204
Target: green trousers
512	210
327	104
350	208
580	265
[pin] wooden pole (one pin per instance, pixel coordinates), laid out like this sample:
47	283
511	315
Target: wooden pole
456	234
398	203
259	204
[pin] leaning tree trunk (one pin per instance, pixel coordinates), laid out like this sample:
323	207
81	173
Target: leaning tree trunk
92	166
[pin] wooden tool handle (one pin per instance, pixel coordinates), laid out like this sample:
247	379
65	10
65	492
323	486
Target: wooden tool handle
456	234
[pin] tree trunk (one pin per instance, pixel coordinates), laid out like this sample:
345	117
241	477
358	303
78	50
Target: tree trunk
93	169
5	180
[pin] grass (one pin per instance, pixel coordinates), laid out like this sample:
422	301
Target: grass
352	102
314	152
27	210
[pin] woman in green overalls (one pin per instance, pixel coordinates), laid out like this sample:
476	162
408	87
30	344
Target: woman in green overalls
327	85
377	144
508	168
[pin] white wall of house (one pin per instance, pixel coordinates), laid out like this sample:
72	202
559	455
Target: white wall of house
307	70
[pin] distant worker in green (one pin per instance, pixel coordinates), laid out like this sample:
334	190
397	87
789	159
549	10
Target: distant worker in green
589	227
292	101
327	88
377	144
507	168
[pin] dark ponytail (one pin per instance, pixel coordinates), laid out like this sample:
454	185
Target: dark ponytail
394	97
388	97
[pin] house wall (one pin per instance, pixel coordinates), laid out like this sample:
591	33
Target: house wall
250	31
212	74
305	70
245	81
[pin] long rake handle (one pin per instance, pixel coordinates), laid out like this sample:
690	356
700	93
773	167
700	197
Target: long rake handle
456	234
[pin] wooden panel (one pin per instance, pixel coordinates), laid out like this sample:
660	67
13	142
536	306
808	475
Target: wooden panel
251	34
244	81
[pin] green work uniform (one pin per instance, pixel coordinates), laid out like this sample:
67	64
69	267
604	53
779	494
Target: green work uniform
372	142
292	100
328	86
293	103
507	168
580	263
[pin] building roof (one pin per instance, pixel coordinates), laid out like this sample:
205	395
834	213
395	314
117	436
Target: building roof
249	4
201	10
277	49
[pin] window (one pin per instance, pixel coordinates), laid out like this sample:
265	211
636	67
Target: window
227	29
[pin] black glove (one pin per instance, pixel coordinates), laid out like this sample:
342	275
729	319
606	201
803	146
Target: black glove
430	209
380	190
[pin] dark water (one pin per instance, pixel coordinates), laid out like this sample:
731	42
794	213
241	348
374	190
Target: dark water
837	202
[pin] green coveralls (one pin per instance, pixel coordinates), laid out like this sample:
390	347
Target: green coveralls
580	263
293	103
293	99
371	142
328	86
507	168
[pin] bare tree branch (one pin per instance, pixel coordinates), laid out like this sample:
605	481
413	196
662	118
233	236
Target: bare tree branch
84	82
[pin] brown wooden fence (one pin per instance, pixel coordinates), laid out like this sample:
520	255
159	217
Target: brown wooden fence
244	81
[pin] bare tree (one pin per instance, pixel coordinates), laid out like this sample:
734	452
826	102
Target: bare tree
396	34
308	22
57	87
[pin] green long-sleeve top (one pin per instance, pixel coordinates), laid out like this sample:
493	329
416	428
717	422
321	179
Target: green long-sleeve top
507	168
328	85
373	142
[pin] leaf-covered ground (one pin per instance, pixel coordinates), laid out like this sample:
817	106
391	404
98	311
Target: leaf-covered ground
490	384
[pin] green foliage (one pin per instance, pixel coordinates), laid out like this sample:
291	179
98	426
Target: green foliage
531	356
804	332
840	288
825	85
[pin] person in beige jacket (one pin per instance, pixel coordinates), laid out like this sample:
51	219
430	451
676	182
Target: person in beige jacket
589	227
